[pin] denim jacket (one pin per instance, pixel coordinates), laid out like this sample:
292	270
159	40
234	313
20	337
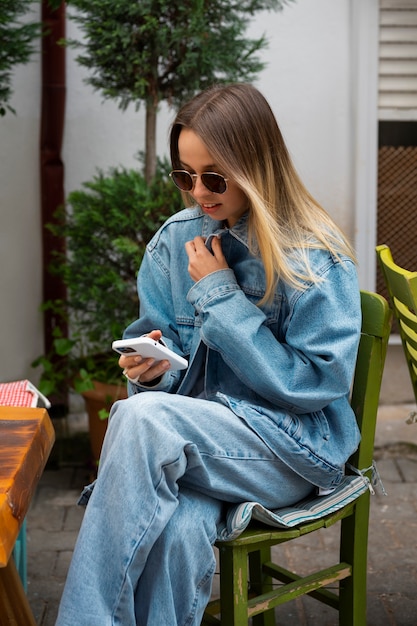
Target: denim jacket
285	367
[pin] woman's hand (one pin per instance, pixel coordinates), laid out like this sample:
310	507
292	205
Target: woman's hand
201	261
144	370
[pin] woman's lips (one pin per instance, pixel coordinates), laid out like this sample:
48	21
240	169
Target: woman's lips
210	208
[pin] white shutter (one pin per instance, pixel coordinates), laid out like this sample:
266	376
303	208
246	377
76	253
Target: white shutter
398	60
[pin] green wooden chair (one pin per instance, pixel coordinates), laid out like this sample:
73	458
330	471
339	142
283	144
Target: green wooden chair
402	289
246	569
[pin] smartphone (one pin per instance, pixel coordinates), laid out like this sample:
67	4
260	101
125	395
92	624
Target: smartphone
147	347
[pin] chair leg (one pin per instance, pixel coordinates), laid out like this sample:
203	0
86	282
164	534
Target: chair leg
233	585
353	549
260	583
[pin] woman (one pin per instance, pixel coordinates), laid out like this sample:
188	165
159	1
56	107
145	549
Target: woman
257	287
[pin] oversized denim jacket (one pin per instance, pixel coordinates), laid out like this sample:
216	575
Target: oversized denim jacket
285	367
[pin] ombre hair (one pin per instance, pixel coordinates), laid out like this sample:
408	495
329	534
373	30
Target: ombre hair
240	132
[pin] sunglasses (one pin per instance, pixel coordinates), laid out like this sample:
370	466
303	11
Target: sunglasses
216	183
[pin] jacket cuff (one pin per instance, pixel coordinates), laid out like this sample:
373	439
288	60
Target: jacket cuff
212	286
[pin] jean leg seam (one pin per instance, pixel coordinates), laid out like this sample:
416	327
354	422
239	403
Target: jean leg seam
206	577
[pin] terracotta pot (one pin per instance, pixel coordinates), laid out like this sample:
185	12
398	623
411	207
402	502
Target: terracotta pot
101	397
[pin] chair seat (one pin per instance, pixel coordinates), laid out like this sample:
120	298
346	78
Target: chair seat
314	507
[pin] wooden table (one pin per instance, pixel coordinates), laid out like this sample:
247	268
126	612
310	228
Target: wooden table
26	439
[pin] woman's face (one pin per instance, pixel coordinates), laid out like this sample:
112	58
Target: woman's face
196	159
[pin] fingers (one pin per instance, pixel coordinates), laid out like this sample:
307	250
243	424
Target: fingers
139	369
203	261
198	246
146	371
216	246
191	247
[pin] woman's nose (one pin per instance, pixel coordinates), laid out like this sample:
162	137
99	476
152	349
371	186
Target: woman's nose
199	188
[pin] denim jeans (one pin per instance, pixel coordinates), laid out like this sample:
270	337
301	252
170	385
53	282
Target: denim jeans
169	466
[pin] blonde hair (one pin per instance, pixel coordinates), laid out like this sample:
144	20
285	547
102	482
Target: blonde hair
240	131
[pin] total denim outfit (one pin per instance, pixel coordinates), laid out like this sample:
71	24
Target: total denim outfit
262	413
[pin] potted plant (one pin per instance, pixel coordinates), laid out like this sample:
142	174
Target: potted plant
107	225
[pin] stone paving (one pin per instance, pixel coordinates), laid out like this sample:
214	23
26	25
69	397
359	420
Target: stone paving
54	520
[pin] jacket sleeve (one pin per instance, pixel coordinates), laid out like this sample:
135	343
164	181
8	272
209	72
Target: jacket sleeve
156	311
312	364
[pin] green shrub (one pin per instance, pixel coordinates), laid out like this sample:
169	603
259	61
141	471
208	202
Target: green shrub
107	225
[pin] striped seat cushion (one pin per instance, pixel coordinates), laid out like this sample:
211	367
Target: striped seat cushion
312	508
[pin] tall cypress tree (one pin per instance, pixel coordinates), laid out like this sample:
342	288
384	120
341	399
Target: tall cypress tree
161	50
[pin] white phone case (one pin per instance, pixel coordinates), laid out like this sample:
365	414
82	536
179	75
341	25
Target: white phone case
147	347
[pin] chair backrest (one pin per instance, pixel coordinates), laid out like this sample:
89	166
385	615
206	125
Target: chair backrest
376	325
402	289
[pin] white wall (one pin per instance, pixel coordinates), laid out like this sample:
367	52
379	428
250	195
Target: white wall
307	81
307	84
20	230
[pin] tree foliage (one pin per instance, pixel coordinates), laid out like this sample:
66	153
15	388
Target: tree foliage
17	44
155	50
158	50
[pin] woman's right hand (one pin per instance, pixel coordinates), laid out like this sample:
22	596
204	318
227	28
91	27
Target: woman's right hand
144	370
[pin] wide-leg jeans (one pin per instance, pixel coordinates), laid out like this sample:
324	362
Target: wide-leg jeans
170	464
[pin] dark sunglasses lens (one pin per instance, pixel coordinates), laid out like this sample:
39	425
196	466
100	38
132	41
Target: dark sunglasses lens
183	180
214	182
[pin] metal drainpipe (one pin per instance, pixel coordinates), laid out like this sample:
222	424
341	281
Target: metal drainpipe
51	165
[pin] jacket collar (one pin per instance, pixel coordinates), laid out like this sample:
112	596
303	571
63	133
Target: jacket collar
239	231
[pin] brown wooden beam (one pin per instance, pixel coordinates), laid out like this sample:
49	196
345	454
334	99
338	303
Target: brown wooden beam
51	165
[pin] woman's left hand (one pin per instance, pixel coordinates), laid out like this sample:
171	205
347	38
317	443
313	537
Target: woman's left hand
201	261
